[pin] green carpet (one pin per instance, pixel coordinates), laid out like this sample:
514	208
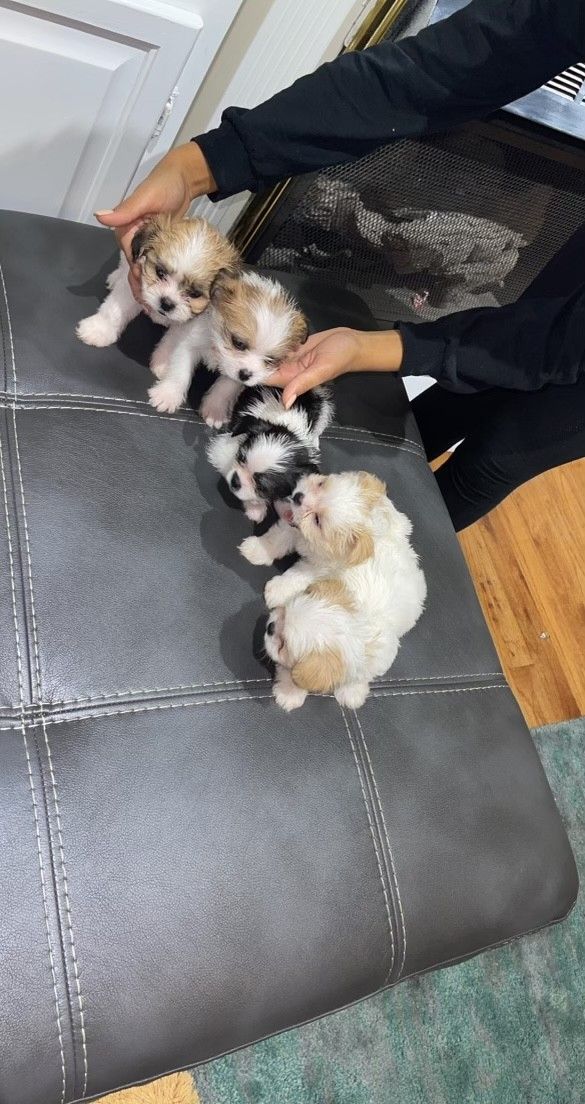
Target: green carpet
505	1028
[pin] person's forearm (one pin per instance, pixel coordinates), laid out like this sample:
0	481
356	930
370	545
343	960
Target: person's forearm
378	351
484	56
196	169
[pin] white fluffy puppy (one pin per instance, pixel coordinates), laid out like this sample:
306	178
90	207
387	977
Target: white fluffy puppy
252	323
183	265
356	590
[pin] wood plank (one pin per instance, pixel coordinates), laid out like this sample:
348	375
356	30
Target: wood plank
527	560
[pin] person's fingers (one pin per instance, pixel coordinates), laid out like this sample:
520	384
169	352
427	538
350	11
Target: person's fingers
126	218
321	371
135	282
311	342
129	211
124	236
286	372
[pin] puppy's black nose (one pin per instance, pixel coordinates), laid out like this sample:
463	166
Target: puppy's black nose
166	304
244	375
235	482
270	628
298	498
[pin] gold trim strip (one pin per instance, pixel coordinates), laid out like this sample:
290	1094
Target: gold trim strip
252	220
249	224
376	25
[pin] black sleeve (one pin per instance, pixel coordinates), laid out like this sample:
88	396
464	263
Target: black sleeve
524	346
481	58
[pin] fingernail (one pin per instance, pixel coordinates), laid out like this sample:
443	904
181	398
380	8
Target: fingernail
291	399
108	211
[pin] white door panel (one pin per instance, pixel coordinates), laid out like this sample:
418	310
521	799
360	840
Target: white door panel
83	86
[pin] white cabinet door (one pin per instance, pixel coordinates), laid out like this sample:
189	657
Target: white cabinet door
86	87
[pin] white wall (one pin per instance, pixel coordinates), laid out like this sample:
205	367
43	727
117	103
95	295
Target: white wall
270	44
225	64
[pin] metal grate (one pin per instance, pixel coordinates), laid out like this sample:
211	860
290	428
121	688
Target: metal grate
570	83
424	228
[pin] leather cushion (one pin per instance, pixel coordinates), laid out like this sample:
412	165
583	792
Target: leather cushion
183	867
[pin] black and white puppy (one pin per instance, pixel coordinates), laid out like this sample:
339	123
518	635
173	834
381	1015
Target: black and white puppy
267	449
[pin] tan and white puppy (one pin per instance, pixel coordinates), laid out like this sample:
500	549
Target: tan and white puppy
183	264
316	647
360	583
251	325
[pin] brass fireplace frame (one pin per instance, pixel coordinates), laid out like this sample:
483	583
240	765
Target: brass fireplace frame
259	209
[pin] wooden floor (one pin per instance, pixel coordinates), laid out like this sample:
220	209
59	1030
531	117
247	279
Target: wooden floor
527	560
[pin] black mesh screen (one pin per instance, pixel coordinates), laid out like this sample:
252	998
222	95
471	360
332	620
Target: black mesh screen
424	228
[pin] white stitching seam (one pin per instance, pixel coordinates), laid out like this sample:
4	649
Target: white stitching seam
31	783
377	433
365	441
142	402
24	395
192	421
376	848
81	395
454	690
46	911
39	690
236	684
244	697
390	855
110	410
445	678
159	708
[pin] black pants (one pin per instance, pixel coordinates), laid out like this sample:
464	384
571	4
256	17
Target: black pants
508	437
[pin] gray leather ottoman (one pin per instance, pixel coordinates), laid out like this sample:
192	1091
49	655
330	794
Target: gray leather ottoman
183	867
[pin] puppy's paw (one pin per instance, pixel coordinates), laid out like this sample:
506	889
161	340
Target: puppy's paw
288	696
275	592
353	695
158	365
254	551
256	511
96	330
166	396
214	410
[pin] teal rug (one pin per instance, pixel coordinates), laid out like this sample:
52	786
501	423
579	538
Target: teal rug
505	1028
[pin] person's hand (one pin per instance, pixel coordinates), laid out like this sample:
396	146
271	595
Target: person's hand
332	353
181	176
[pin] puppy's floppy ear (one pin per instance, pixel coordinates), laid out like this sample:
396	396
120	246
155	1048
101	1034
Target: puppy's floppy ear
143	238
231	269
360	547
319	672
300	329
372	488
224	286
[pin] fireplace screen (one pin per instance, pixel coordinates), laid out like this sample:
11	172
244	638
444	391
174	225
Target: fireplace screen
424	228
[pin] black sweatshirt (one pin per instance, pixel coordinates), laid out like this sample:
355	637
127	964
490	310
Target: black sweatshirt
483	57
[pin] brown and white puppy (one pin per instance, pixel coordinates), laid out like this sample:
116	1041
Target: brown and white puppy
328	521
255	323
251	325
355	546
314	645
183	263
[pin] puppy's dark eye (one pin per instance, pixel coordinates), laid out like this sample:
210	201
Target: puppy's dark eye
270	628
195	293
238	344
317	519
161	272
270	362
